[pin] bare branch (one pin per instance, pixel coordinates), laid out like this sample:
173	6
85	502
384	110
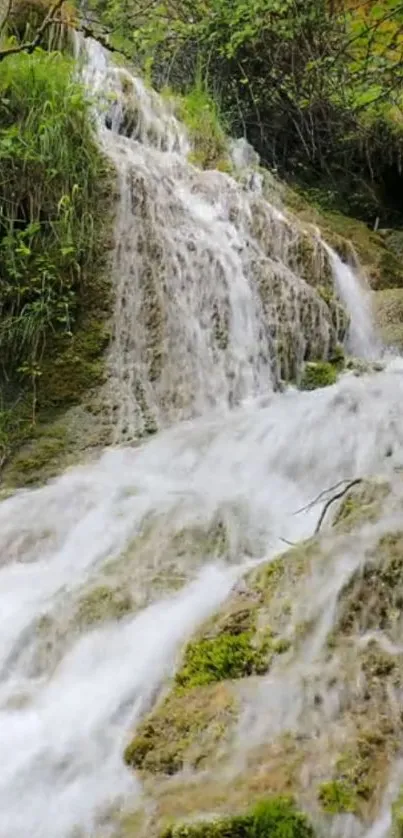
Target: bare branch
333	498
321	495
30	46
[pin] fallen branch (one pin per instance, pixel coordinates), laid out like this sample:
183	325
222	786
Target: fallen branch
333	498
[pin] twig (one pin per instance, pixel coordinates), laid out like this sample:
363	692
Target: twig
332	499
286	541
320	496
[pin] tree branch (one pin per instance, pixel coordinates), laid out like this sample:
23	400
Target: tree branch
30	46
333	498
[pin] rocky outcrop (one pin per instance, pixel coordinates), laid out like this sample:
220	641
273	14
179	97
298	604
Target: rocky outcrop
293	687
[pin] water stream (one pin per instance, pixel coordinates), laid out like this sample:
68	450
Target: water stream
229	450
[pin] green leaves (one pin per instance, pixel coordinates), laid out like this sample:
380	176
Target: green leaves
49	170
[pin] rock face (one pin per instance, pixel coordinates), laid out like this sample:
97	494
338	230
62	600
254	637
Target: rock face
389	315
294	687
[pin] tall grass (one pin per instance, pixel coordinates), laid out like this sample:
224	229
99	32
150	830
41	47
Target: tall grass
51	182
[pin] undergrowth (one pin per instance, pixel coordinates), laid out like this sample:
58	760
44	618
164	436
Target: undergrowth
208	132
53	215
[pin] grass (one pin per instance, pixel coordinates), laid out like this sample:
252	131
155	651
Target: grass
54	217
201	114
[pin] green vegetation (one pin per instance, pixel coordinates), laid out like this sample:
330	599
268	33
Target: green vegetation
315	86
200	113
397	817
362	504
318	374
184	730
337	796
217	658
54	210
275	817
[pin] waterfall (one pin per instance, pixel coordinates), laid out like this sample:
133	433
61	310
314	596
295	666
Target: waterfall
106	571
362	340
218	293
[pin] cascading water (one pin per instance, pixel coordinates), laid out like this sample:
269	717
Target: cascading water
106	571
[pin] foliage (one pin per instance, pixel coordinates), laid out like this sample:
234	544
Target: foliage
315	85
200	113
274	817
318	374
52	215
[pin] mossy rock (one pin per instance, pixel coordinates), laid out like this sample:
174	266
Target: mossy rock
397	816
388	307
351	238
225	656
373	598
103	603
317	374
337	796
275	817
362	504
183	730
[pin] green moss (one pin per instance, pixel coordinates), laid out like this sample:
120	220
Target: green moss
184	730
362	504
337	796
317	374
275	817
372	598
397	817
103	603
219	658
337	358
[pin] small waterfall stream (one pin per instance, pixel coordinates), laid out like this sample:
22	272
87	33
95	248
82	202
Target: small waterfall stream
196	348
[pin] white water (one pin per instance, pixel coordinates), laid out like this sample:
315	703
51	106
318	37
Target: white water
361	339
70	696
